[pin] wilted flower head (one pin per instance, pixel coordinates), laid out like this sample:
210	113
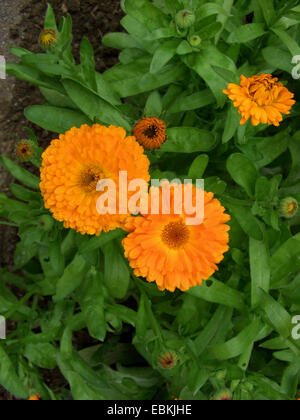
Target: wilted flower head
150	133
261	98
168	360
289	207
25	150
48	37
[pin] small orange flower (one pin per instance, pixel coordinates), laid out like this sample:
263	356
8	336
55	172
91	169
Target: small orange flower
48	37
25	150
36	397
164	249
261	98
72	167
150	133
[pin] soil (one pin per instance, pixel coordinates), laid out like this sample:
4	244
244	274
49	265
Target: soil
21	24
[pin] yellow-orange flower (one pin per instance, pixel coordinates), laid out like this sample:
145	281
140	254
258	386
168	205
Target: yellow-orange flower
48	37
261	98
164	249
72	167
150	133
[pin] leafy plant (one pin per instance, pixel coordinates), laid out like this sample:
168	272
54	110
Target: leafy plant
233	332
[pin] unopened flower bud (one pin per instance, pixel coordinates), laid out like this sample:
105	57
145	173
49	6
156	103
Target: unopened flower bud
289	207
195	41
185	19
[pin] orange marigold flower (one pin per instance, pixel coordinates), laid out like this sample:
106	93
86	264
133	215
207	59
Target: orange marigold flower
261	98
48	37
25	150
150	133
36	397
72	167
164	249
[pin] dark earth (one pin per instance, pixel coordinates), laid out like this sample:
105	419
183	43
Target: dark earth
21	23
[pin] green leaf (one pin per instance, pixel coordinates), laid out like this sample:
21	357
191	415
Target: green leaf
57	120
41	354
116	272
278	58
92	305
9	378
260	269
220	293
239	344
198	167
93	106
153	105
164	53
119	41
189	103
72	278
50	21
243	172
57	99
285	261
288	41
231	125
87	61
247	33
20	174
96	242
246	220
278	317
267	7
188	140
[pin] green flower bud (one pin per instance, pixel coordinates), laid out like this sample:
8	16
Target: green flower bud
195	41
185	19
46	222
288	208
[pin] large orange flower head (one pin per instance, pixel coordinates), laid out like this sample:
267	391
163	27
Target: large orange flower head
261	98
165	249
72	167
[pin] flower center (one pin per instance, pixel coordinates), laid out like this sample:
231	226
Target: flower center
175	235
151	132
89	178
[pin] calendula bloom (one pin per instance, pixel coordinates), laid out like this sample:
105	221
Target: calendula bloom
48	37
261	98
36	397
25	150
167	250
72	167
168	360
150	133
289	207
